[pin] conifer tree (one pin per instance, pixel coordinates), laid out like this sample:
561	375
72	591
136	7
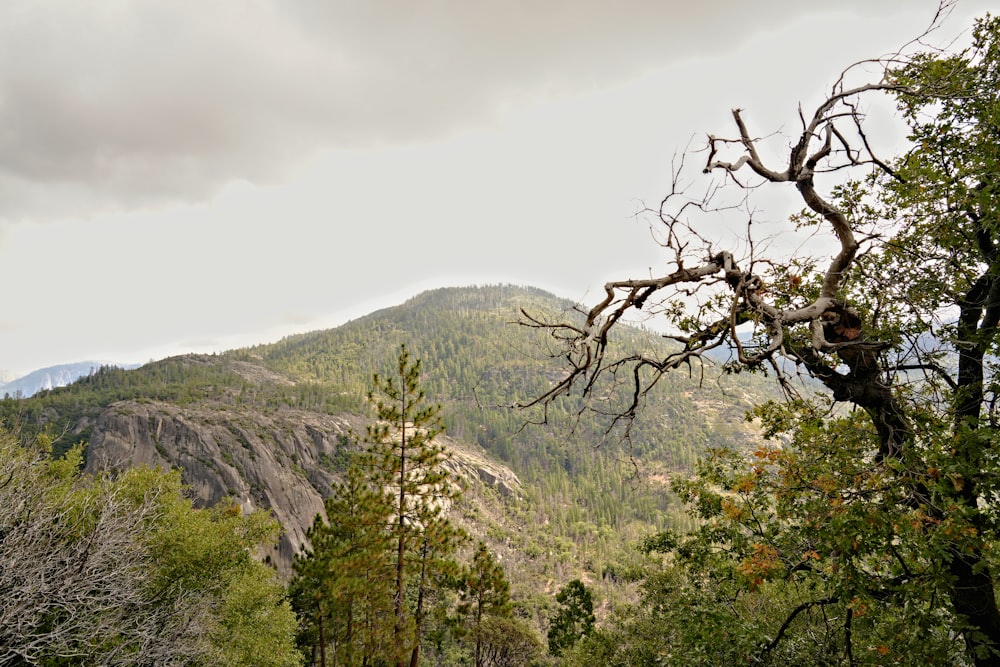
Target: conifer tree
340	586
385	550
403	457
485	593
437	572
574	619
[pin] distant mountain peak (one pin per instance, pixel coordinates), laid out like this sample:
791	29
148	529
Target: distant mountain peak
52	377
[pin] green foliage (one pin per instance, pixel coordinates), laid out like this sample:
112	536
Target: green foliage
402	456
805	554
574	618
863	533
386	549
123	571
341	587
209	552
678	622
256	625
485	593
509	642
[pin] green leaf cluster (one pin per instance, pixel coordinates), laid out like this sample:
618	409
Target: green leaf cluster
121	570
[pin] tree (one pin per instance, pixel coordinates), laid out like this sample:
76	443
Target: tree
403	456
436	572
121	570
507	641
256	626
574	618
386	547
209	553
877	504
205	580
340	585
73	583
485	594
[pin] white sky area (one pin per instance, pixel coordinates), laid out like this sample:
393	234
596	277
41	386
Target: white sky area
197	175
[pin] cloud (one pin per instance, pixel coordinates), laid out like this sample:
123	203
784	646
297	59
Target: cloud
145	102
124	104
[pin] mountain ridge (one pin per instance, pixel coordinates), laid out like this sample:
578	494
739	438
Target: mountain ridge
271	427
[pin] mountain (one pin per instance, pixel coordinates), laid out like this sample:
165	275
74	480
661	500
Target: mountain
272	427
51	377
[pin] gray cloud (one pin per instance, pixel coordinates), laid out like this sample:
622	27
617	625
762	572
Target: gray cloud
121	104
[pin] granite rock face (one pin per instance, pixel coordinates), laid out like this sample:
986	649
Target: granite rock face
282	460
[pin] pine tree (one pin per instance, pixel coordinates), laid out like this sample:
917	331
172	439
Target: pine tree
438	572
574	619
340	585
385	550
485	594
403	457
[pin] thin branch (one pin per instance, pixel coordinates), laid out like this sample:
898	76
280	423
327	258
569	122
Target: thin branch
773	644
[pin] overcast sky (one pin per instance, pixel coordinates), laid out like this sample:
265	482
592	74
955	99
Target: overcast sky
197	175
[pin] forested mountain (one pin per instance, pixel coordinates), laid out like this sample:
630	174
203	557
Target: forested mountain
595	486
270	426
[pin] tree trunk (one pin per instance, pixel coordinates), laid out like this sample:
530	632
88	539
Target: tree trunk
419	613
349	650
973	596
322	642
973	593
401	543
479	635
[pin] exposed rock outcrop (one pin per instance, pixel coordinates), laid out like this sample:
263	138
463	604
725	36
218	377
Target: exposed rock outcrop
282	460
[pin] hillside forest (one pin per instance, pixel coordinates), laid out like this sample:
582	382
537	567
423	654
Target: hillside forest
531	507
762	456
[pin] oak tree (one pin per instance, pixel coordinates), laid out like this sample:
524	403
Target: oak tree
876	502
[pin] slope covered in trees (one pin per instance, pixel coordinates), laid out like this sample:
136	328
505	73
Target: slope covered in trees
266	425
478	363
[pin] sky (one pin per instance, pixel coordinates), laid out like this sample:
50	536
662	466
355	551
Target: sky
198	175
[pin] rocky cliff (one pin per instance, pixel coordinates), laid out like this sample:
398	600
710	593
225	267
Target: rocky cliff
283	460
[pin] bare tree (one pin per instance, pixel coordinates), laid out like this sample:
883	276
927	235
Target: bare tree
854	320
74	569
